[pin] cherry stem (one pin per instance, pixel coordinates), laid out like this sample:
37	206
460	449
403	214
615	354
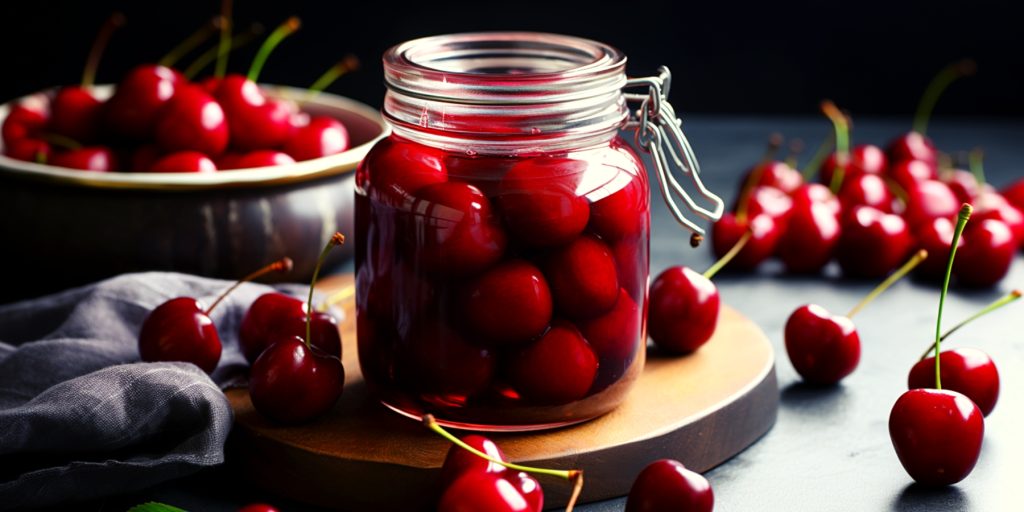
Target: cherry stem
282	31
224	47
897	189
914	261
191	42
961	221
819	156
282	265
975	160
341	295
1002	301
573	475
92	62
336	239
208	56
727	257
62	141
349	63
936	87
842	129
774	142
796	146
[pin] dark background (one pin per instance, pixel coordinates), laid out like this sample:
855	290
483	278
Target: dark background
872	57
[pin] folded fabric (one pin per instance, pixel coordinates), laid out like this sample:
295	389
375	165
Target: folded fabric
81	417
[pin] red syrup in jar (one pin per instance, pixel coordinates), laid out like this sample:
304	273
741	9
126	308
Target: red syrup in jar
502	292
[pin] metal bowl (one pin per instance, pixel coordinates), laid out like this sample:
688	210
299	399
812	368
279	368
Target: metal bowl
65	227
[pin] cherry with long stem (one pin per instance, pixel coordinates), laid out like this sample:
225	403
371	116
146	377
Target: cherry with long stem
842	137
575	476
282	265
336	240
962	217
993	306
727	257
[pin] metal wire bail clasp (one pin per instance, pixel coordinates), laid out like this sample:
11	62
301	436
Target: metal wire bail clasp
659	132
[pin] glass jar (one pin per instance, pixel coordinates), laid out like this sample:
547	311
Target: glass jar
502	234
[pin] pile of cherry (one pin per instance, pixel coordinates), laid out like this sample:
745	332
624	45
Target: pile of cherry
872	208
160	120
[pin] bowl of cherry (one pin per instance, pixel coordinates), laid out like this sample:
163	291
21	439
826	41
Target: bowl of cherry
169	171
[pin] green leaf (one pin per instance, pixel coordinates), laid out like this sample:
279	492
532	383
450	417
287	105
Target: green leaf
153	506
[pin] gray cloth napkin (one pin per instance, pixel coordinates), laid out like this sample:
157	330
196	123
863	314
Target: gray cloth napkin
81	417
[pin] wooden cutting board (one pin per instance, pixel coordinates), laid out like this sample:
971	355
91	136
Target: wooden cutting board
700	409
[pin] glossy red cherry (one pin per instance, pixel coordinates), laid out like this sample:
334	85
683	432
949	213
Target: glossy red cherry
132	111
824	348
320	136
866	190
764	238
76	114
29	150
477	491
398	168
440	363
963	184
682	310
184	161
539	201
1014	193
509	304
258	158
192	121
816	193
95	158
776	174
582	277
454	230
811	234
872	243
913	146
556	369
255	121
989	247
935	237
908	173
992	205
616	216
292	383
863	159
27	119
274	316
928	200
965	370
180	330
770	201
667	485
258	507
937	435
614	335
460	461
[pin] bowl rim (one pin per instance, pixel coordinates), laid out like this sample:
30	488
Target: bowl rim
341	163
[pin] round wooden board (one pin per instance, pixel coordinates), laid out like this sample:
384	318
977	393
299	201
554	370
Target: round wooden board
700	409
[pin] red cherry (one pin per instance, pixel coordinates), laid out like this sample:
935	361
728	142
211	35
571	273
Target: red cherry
913	146
988	251
258	507
866	190
321	136
274	316
454	230
614	335
928	200
583	278
683	310
539	202
477	491
992	205
192	120
442	364
558	368
817	193
291	383
29	150
667	485
254	159
255	122
138	99
872	243
76	113
864	159
95	158
509	304
459	461
770	201
964	370
909	173
812	232
395	169
1014	192
27	119
935	237
184	161
764	238
180	330
937	435
963	184
824	348
615	216
774	174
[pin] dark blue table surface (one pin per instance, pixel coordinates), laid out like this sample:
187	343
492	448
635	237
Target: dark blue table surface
830	449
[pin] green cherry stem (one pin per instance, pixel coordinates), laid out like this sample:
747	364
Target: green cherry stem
224	47
727	257
775	141
976	161
796	146
238	41
282	31
961	221
842	135
819	156
191	42
1002	301
336	240
92	62
948	75
343	294
573	475
348	63
281	265
914	261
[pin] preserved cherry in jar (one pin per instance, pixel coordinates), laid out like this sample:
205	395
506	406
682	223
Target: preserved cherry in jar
502	234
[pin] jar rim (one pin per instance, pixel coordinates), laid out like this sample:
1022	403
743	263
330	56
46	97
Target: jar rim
504	68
